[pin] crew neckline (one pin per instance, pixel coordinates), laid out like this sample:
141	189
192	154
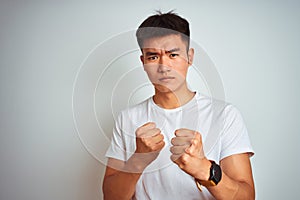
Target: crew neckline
180	108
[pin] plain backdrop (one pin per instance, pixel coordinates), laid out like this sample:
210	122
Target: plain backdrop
255	48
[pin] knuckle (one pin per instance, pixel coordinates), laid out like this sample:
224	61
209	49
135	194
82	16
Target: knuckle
176	159
138	132
177	132
173	141
147	142
161	137
173	150
199	136
195	141
162	145
152	148
184	158
157	131
172	158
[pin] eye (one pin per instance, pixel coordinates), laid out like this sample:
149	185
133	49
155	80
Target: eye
152	58
173	55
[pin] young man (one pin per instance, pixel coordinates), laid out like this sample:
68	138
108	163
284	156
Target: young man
178	144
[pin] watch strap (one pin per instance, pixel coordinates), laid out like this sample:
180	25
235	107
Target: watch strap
215	175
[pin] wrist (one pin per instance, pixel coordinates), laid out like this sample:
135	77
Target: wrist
215	175
204	172
137	163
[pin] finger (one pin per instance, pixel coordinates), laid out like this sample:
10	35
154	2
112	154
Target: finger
178	150
198	137
145	133
175	158
180	141
193	149
144	128
196	148
159	146
152	141
183	132
149	124
158	138
151	133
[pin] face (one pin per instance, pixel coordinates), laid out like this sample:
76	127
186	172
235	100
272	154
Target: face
166	61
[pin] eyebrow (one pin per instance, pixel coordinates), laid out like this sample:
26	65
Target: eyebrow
149	53
173	50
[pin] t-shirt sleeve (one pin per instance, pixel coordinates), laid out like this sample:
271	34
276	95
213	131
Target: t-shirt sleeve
117	147
235	138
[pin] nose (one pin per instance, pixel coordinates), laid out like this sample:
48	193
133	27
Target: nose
163	64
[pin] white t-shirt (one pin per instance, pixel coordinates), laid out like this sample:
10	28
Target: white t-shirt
223	134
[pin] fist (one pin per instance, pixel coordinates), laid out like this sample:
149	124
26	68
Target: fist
149	140
187	153
183	143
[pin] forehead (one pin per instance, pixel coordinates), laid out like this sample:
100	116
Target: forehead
164	43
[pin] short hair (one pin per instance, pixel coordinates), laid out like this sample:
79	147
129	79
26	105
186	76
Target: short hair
163	24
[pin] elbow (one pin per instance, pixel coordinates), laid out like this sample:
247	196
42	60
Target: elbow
245	191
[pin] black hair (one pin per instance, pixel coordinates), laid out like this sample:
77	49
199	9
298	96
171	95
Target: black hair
163	24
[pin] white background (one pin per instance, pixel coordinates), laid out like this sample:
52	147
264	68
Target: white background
254	45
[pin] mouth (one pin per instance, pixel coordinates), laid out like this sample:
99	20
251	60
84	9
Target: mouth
166	79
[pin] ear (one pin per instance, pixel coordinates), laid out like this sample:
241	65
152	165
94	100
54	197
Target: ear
190	56
142	59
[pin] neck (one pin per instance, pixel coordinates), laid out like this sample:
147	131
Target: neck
172	99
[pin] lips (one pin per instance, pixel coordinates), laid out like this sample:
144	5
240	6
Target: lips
166	78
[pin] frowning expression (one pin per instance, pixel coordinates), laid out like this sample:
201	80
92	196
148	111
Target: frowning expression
166	61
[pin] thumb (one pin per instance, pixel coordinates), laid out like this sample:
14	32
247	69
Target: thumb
193	149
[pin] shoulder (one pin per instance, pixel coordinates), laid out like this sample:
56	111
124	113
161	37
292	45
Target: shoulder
134	113
215	105
129	119
137	108
220	110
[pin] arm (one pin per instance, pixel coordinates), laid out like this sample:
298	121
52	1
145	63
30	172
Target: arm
119	183
121	177
236	182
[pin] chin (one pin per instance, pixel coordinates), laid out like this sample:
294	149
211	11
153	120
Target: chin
162	88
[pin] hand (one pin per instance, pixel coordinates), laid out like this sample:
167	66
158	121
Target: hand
187	153
149	142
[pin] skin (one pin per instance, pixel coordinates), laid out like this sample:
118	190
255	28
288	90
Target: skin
166	62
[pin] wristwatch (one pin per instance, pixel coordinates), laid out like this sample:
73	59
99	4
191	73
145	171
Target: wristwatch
215	175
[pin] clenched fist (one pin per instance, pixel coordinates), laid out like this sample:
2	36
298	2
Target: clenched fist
187	153
149	142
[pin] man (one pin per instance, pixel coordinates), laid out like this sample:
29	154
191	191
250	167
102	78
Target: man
178	144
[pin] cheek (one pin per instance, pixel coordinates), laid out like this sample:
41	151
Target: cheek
181	68
150	70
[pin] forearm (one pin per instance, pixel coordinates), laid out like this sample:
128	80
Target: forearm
121	177
121	185
231	189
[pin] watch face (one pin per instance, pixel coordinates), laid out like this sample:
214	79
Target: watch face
216	173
